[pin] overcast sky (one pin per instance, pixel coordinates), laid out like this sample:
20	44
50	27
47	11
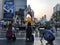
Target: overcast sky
42	7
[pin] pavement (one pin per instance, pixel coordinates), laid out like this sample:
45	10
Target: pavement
23	42
21	39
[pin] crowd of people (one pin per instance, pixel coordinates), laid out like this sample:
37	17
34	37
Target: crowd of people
47	33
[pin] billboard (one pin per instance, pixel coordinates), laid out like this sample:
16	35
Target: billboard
8	9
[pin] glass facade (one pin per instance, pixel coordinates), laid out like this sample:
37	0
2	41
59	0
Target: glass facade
20	4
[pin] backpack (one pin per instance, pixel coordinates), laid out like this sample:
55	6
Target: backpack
48	35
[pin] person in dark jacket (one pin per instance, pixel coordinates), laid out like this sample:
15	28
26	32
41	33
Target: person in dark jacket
48	35
9	32
28	31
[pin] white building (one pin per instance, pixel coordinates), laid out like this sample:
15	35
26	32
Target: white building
36	20
56	8
20	4
43	19
29	10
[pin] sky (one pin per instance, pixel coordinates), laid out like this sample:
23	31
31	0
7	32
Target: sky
43	7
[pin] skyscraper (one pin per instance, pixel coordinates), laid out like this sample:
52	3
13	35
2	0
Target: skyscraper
20	4
28	10
1	9
56	8
56	14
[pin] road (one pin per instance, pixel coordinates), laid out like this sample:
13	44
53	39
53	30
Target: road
21	40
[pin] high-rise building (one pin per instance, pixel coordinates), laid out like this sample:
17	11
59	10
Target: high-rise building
28	10
20	4
43	20
1	9
56	8
36	20
56	14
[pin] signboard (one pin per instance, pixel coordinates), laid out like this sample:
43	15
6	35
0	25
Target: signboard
8	9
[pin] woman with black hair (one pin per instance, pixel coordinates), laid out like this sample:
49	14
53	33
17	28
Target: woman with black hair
29	35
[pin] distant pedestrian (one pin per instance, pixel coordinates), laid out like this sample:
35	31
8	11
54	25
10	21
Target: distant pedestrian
36	32
13	30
